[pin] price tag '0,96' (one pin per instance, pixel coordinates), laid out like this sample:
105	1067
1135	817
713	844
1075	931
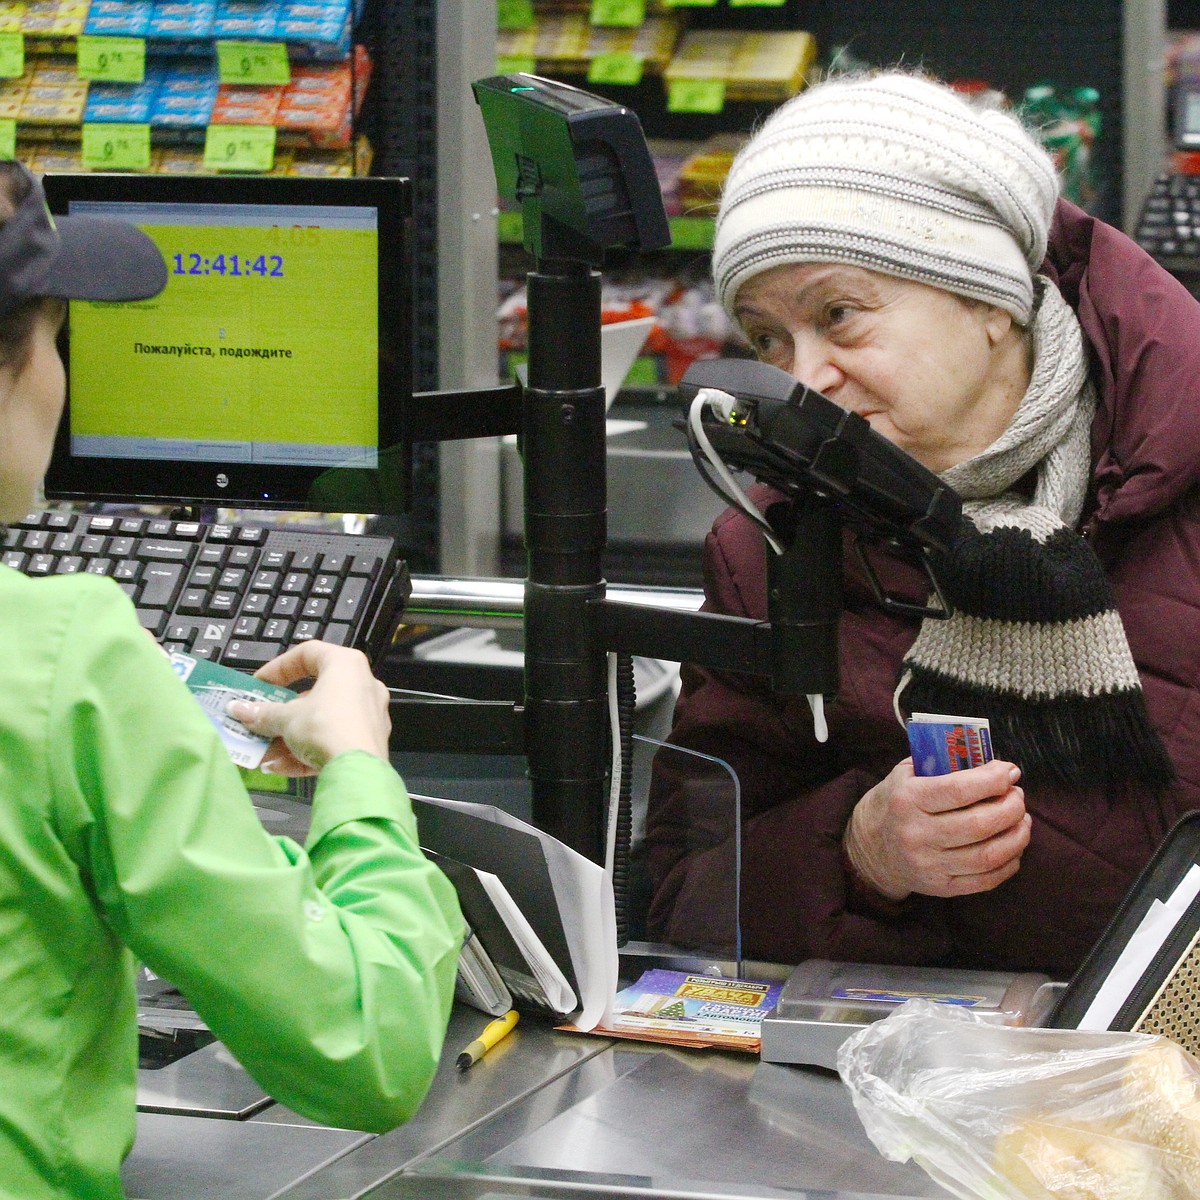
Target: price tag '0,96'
12	55
239	147
117	59
116	147
253	62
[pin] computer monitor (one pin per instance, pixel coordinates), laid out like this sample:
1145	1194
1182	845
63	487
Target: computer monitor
274	369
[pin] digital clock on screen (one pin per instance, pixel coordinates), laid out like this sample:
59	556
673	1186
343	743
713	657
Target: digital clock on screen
266	266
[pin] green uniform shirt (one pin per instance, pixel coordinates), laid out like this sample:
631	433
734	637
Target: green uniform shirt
125	830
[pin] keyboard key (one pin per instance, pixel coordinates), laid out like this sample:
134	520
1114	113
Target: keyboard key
159	550
305	631
249	655
349	603
194	601
241	556
152	619
160	584
316	608
70	564
337	633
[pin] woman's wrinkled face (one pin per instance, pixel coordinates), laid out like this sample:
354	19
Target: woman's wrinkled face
931	371
31	403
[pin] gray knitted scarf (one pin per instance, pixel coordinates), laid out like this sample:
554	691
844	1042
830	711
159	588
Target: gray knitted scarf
1035	643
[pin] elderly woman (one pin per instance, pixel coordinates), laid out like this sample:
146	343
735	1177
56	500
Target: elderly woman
907	254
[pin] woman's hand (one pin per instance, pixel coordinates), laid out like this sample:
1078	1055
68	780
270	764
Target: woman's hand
940	835
345	709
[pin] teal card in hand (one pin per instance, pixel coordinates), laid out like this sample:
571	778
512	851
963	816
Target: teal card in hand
214	686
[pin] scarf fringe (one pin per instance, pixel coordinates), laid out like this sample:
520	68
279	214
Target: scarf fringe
1098	743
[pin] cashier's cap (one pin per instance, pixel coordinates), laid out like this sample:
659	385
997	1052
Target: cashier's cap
895	173
71	258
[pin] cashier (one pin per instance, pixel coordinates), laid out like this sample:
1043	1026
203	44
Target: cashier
908	255
125	831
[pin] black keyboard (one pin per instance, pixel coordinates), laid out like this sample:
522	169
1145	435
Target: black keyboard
238	594
1169	224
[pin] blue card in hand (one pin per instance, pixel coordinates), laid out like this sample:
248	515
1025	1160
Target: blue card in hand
942	744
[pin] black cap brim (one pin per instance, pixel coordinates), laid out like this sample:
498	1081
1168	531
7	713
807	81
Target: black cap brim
75	257
101	259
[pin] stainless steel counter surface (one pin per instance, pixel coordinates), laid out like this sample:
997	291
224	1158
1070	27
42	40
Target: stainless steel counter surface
548	1114
653	1121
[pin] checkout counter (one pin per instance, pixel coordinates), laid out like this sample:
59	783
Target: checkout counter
544	1114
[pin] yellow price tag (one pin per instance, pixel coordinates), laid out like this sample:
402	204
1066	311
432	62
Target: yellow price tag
12	55
116	147
514	14
618	67
618	12
239	147
8	137
696	95
253	62
114	59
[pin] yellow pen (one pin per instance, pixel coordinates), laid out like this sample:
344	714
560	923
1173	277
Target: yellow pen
495	1032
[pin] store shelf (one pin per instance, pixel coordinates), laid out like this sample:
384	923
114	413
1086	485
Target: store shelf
687	233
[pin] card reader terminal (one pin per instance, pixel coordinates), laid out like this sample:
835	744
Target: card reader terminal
824	1002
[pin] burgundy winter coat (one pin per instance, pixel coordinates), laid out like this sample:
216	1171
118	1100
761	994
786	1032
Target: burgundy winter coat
1143	521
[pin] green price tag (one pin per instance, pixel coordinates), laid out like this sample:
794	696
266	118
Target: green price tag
514	64
619	67
12	55
618	12
510	227
253	62
514	14
239	147
8	137
696	95
116	147
114	59
691	233
643	373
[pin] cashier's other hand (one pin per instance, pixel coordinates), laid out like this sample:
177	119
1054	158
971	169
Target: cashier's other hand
943	835
345	709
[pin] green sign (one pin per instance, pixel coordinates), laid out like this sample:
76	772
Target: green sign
12	55
514	14
8	138
116	147
514	64
696	95
619	67
253	62
113	59
239	147
618	12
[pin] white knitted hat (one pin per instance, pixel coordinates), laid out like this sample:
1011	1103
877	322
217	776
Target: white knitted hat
894	173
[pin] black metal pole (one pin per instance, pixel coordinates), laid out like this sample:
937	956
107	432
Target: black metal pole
563	445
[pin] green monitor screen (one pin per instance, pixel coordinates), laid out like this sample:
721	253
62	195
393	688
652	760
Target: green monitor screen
272	371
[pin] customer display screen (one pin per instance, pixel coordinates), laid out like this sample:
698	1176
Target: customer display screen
273	368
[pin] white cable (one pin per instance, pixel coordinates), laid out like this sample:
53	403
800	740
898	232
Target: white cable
723	403
614	789
816	702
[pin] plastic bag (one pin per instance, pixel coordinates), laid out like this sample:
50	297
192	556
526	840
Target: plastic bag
1004	1113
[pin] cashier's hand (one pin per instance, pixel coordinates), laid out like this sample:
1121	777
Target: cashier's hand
345	709
943	835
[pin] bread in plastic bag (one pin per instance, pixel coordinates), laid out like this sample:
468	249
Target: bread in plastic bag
1005	1113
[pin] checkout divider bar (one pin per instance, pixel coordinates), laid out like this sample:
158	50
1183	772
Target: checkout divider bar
631	619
